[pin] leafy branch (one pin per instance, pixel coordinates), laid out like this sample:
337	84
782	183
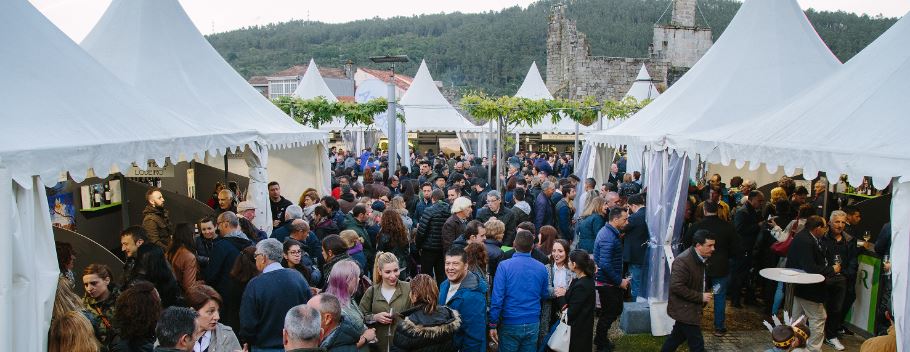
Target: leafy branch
318	111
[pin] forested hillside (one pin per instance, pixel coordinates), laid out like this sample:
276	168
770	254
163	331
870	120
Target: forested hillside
492	51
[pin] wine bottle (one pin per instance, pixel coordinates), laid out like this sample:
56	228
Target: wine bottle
97	196
107	193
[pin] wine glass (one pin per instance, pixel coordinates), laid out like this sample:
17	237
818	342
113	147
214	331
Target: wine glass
867	235
886	259
837	261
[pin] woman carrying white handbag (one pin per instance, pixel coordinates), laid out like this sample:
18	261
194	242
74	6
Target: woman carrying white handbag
576	324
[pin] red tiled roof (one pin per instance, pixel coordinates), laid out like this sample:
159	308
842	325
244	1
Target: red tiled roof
348	99
299	70
401	81
258	80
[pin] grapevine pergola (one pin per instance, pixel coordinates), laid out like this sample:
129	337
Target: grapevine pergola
318	111
509	112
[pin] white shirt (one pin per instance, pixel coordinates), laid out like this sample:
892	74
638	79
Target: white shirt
452	289
203	342
560	276
387	293
272	267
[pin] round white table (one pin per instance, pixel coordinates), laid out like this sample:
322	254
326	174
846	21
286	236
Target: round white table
790	277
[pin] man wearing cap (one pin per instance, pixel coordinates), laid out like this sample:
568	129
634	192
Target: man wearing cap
247	210
439	182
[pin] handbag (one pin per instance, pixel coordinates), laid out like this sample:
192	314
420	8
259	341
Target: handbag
780	248
559	341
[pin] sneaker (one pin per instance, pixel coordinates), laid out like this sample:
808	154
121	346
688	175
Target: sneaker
835	343
720	332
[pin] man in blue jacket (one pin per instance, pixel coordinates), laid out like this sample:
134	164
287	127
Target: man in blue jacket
521	282
544	206
465	292
609	281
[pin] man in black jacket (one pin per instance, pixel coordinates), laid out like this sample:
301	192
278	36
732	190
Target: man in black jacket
806	254
145	262
842	292
635	242
495	208
429	236
748	224
726	244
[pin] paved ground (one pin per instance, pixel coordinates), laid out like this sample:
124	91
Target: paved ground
746	332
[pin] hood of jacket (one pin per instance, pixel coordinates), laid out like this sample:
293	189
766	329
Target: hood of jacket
153	210
346	333
472	282
443	322
524	206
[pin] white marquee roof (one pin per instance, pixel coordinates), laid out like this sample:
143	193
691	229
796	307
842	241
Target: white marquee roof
854	122
534	87
312	85
155	47
426	110
768	54
63	111
643	88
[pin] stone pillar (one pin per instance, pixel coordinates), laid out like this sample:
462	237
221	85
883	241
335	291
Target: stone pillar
684	13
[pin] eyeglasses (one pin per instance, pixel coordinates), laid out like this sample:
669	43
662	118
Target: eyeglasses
294	252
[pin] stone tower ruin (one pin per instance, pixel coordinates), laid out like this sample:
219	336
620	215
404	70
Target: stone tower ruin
572	72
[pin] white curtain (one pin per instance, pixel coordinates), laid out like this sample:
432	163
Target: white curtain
299	168
667	188
900	265
258	191
602	161
27	285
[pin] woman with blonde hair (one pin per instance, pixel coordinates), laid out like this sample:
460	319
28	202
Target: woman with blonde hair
593	217
65	300
388	297
355	248
426	326
495	233
399	206
309	199
72	332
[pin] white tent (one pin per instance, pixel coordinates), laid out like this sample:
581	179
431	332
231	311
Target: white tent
154	46
312	85
768	54
533	87
91	120
643	88
426	110
854	123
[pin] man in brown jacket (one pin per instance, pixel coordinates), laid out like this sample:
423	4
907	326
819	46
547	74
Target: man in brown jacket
155	219
687	293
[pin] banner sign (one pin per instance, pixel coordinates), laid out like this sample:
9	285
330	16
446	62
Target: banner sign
862	314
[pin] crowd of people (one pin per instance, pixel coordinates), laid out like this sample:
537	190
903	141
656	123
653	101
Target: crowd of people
432	258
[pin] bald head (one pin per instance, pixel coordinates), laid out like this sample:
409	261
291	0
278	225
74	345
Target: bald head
225	199
612	199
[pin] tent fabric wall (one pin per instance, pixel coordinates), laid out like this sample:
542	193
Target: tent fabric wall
900	264
667	189
258	190
27	285
287	167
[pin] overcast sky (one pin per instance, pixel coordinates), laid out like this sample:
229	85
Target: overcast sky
76	17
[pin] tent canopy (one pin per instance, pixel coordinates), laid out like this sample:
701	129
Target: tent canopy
92	120
643	88
768	54
534	87
155	47
854	122
426	110
312	85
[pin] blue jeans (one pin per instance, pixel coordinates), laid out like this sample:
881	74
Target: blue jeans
778	298
719	287
637	280
518	338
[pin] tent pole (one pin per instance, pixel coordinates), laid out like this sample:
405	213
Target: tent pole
225	169
575	151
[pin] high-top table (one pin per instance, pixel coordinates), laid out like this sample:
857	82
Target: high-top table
790	277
